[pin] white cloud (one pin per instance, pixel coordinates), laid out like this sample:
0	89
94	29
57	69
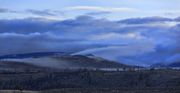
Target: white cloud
113	35
103	9
18	35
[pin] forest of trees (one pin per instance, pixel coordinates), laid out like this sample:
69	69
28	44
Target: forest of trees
43	80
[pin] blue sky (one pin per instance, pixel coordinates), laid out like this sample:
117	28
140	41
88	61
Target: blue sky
111	9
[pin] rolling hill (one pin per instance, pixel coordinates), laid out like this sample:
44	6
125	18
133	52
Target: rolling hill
56	61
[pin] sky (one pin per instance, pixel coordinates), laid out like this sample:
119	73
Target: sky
111	9
135	32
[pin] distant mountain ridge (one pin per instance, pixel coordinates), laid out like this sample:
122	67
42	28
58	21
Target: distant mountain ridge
33	55
173	64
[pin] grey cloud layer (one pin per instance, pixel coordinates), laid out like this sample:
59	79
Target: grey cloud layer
41	12
5	10
83	10
140	39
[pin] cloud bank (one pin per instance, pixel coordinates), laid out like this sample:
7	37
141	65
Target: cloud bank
136	41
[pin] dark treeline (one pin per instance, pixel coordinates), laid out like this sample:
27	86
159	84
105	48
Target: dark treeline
43	80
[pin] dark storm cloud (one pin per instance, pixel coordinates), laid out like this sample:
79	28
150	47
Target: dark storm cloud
144	39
